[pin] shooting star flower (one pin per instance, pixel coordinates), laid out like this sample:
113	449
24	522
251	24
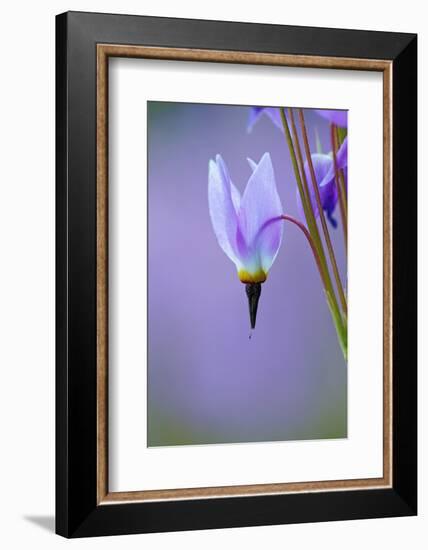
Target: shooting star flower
325	176
257	112
337	117
245	226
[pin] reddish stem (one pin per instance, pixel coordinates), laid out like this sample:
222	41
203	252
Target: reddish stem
310	241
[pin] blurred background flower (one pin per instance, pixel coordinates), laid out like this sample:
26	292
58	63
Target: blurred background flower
255	113
325	176
340	118
323	163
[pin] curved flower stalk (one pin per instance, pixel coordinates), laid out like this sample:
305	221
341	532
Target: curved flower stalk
244	226
325	176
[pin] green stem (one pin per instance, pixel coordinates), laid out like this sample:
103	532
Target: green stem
321	214
340	325
339	322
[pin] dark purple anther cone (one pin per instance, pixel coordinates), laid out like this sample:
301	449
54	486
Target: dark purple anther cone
253	291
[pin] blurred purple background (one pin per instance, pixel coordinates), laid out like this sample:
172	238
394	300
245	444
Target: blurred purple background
207	381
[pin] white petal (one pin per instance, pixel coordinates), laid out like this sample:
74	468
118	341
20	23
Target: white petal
259	217
260	201
221	207
253	165
236	198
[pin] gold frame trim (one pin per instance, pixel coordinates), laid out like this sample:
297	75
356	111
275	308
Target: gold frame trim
104	51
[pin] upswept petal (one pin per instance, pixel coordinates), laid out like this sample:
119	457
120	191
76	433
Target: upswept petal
322	164
342	162
223	168
272	112
236	198
258	226
260	201
253	165
269	242
236	195
340	118
342	154
275	115
222	207
324	173
253	117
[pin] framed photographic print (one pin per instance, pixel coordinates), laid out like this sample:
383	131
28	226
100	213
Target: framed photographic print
236	274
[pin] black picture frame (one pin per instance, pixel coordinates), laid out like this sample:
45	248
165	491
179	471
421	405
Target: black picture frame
77	511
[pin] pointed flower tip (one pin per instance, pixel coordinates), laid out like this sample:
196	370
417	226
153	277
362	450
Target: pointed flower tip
253	291
252	163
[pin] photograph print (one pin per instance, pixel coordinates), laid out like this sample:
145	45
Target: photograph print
247	274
